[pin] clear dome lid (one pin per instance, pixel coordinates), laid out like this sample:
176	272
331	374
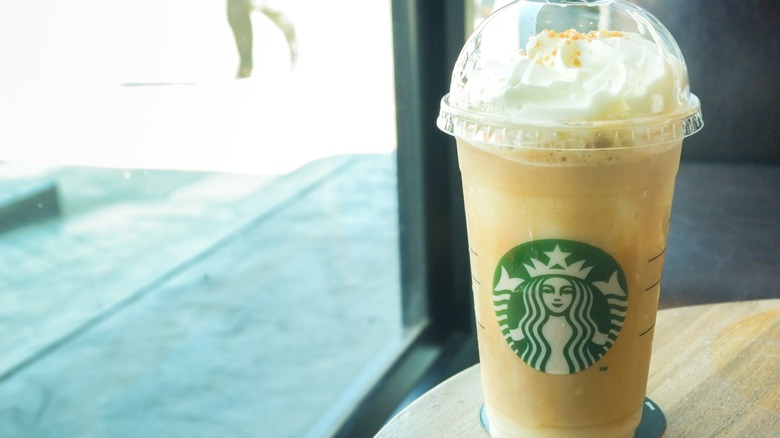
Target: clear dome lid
536	68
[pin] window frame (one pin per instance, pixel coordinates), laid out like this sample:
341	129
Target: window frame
436	292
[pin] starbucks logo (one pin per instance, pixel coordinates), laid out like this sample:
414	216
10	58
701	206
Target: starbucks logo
560	303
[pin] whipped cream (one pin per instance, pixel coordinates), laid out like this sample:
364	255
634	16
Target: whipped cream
571	76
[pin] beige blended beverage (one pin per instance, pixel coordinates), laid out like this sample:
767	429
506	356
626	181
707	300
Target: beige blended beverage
569	119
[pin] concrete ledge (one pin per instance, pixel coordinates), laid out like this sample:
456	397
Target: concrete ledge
25	201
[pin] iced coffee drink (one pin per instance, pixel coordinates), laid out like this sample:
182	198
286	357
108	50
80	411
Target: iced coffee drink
568	141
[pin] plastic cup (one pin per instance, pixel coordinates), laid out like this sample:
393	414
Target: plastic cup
568	215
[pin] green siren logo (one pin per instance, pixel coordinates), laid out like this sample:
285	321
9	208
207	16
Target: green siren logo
560	303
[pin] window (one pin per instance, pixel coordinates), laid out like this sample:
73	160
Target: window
436	283
183	252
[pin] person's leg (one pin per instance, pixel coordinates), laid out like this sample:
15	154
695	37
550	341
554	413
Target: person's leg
285	24
238	12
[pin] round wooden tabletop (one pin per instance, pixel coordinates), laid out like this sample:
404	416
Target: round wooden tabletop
715	372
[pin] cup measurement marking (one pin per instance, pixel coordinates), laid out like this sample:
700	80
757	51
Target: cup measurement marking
651	287
648	330
475	282
652	259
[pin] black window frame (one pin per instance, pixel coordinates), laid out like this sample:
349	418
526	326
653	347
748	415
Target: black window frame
435	272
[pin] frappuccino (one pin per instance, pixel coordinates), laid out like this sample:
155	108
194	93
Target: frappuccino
569	119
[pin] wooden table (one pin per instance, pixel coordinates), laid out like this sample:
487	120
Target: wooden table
715	372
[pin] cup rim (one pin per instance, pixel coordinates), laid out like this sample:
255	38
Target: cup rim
503	131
